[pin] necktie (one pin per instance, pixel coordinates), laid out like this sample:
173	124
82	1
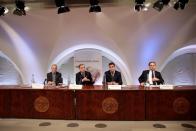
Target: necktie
153	74
83	74
150	77
112	74
53	77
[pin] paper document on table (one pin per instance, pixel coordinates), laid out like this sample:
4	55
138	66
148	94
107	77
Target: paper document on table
114	87
167	87
73	86
37	86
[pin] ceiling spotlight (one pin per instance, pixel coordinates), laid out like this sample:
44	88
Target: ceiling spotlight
20	8
63	7
180	4
94	6
158	5
2	10
139	5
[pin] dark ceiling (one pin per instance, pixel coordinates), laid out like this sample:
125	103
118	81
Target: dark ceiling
50	3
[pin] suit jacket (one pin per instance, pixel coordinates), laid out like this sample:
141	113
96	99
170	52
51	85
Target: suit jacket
144	77
58	79
116	78
79	78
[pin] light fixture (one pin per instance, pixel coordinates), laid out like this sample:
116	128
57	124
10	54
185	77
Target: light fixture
20	8
94	6
159	4
180	4
63	7
2	10
139	5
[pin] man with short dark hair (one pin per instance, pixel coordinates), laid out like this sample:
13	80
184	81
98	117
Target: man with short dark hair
54	77
112	76
83	77
151	76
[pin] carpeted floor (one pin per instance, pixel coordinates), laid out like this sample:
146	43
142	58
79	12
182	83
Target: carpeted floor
68	125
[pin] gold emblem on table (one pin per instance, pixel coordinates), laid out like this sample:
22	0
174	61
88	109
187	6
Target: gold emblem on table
41	104
181	105
110	105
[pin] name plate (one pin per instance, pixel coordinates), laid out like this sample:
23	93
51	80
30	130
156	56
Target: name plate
73	86
114	87
37	86
170	87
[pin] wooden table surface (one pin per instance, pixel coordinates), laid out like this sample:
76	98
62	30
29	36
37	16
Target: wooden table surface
132	102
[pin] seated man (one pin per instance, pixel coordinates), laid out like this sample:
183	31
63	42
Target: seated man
112	77
54	77
151	76
83	77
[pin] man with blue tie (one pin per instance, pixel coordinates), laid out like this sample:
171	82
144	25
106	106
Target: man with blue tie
112	76
151	76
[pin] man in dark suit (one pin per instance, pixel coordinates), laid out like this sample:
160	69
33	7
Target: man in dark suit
151	76
54	77
112	76
83	77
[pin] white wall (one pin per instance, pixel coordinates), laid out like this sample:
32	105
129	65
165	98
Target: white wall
136	37
8	73
181	70
67	70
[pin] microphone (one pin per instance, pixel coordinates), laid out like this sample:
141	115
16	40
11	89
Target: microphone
45	80
104	81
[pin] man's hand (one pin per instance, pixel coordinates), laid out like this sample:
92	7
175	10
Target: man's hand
85	79
142	84
155	79
109	83
51	83
112	83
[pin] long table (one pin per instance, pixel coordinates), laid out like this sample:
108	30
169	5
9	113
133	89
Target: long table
96	103
99	103
176	104
25	102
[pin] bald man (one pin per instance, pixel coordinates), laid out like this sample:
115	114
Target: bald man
54	77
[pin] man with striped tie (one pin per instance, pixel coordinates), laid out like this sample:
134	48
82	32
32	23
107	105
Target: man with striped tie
151	76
